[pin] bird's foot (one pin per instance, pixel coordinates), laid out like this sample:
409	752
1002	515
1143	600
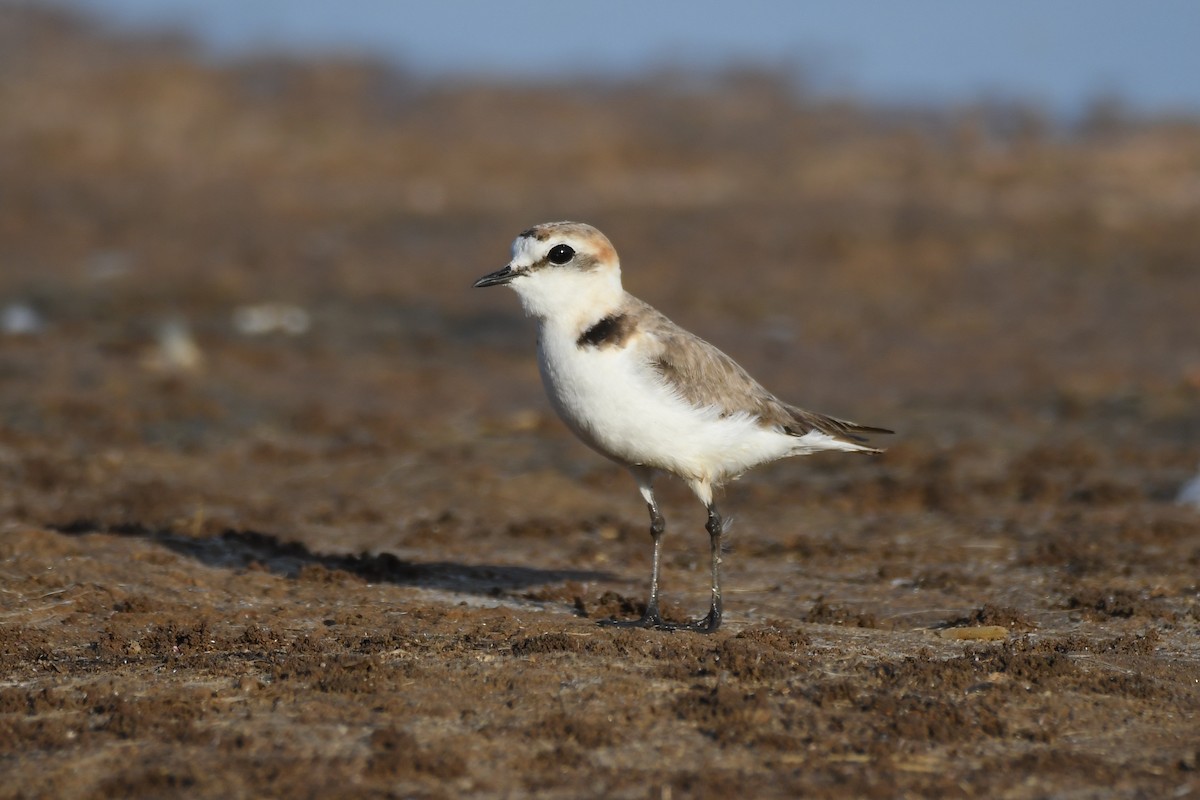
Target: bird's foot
709	624
652	619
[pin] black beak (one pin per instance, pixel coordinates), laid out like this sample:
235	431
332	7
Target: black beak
497	278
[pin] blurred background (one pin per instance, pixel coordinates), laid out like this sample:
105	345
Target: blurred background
231	227
1062	57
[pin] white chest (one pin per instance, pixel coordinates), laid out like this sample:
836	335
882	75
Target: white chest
614	401
596	391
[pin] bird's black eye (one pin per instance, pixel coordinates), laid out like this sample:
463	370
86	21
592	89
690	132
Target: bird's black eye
561	254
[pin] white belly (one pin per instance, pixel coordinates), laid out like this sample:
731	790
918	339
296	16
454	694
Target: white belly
615	402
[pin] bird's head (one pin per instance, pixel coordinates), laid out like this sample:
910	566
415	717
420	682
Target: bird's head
561	268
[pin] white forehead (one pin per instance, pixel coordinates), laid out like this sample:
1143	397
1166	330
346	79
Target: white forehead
527	250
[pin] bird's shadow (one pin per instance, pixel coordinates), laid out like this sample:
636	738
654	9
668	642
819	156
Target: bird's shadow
238	550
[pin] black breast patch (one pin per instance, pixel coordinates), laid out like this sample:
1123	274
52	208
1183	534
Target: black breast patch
611	331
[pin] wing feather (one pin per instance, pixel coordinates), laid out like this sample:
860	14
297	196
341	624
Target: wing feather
703	376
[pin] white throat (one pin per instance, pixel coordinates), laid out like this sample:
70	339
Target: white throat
569	296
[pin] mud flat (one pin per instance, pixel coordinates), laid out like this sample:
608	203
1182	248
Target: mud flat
353	554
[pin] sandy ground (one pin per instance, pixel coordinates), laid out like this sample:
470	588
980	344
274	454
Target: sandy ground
359	557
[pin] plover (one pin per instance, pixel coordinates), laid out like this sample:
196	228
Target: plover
647	394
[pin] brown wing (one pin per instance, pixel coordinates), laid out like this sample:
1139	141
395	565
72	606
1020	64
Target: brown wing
704	376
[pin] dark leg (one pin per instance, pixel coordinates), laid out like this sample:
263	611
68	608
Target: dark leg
652	618
715	527
658	526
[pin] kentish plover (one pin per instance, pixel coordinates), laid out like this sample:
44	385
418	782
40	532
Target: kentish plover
647	394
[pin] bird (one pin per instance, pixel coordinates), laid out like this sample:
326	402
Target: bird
649	395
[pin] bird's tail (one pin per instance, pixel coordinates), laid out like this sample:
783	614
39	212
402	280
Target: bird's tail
852	433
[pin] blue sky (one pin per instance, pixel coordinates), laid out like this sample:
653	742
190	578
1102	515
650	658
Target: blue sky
1060	55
